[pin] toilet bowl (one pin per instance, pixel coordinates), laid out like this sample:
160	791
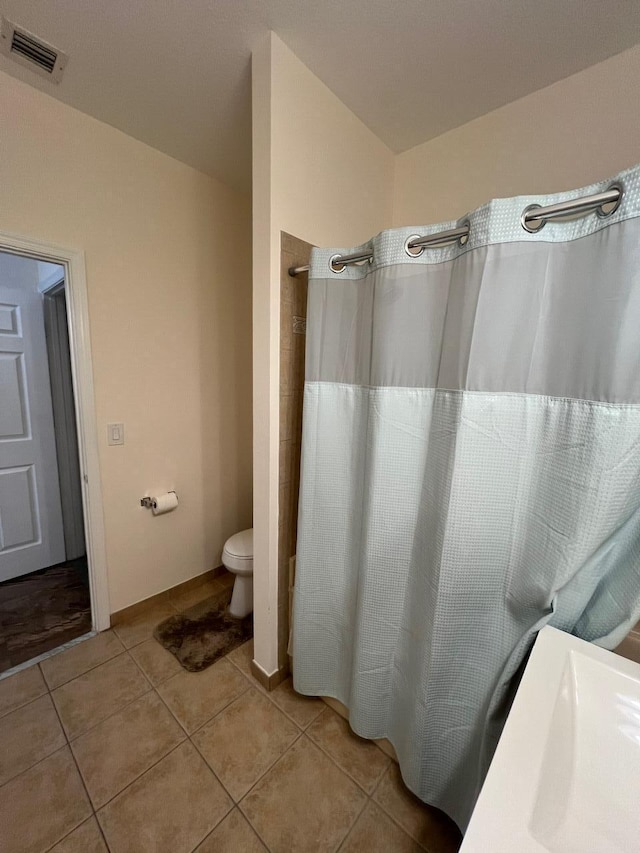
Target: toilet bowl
237	557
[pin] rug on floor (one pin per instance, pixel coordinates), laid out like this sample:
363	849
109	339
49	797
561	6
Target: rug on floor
202	634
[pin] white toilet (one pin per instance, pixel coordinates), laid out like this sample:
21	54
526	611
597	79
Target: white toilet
237	556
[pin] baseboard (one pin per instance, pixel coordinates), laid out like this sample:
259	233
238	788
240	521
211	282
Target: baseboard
269	682
159	598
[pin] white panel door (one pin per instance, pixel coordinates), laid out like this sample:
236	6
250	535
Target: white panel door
31	532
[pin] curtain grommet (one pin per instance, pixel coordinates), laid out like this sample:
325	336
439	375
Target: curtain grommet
413	252
528	226
612	205
334	267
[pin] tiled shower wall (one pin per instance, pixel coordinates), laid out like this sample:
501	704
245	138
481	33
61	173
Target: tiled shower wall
293	312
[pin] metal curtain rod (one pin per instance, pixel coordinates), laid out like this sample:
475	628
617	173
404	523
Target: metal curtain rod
532	220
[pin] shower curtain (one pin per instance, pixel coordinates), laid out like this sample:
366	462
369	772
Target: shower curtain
470	473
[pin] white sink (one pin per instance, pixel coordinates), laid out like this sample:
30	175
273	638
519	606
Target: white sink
565	777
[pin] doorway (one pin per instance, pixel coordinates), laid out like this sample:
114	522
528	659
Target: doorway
52	563
44	583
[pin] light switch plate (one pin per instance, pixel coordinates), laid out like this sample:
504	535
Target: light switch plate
115	433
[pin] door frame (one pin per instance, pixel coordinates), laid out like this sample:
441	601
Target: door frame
56	333
82	375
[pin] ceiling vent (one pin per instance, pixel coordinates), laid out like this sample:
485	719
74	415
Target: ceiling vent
31	52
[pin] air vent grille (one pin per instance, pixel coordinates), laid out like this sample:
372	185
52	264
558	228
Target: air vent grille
33	50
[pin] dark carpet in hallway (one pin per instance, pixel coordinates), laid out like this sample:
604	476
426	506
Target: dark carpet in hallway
43	610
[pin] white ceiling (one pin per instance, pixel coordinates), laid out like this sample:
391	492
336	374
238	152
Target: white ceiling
176	73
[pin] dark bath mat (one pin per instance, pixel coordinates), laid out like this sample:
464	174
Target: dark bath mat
204	633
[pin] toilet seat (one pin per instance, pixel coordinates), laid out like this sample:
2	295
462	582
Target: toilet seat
237	565
240	545
237	554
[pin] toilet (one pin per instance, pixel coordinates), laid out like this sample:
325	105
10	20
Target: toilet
237	557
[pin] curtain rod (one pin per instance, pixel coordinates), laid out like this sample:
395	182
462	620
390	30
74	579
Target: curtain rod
534	213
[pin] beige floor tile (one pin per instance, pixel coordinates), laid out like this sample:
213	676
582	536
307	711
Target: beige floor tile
244	740
120	749
387	747
360	758
80	658
155	661
18	689
94	696
374	832
304	803
431	828
233	835
28	735
183	600
172	808
195	697
242	657
140	627
302	709
87	838
42	805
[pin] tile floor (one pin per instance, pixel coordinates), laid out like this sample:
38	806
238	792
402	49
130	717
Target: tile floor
111	745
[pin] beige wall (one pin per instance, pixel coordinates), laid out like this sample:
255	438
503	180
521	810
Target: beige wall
321	175
580	130
168	274
331	177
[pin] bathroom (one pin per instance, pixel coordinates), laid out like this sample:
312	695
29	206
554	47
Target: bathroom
179	250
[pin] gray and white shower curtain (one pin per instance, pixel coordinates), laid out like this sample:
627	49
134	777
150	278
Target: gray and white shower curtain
470	473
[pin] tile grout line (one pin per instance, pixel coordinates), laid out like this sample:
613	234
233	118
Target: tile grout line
84	672
388	813
139	668
262	775
81	777
302	729
154	688
254	830
92	728
278	759
187	737
302	734
108	717
346	772
27	769
151	766
217	713
246	817
82	823
342	842
209	719
133	781
165	704
64	733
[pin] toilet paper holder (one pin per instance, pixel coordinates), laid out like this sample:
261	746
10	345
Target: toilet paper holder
150	503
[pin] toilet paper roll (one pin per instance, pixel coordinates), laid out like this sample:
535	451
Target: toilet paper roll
164	503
